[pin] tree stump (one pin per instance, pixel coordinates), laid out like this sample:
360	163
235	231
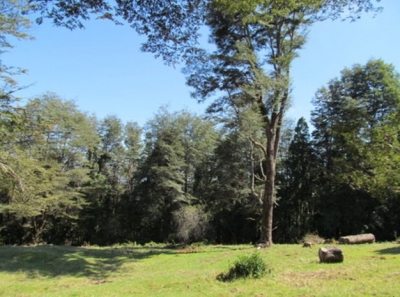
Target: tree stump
357	239
330	255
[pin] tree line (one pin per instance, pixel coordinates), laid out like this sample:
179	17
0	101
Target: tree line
70	178
255	44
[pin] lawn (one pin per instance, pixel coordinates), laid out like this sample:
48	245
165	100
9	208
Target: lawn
130	270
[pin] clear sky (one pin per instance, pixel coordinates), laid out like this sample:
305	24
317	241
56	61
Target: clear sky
102	69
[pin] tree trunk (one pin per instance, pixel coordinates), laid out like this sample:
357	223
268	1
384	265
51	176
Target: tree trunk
357	239
269	193
267	216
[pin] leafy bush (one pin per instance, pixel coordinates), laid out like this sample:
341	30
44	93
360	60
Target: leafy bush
252	266
191	224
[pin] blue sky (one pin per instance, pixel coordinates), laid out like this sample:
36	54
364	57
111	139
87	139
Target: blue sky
102	69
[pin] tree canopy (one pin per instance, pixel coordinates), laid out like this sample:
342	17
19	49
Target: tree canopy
173	27
70	177
256	43
359	113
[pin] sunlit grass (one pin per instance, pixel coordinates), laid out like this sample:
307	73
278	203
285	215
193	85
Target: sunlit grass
129	270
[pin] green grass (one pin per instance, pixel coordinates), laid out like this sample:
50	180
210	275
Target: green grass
127	270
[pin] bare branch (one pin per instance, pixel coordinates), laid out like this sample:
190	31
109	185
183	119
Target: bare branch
259	145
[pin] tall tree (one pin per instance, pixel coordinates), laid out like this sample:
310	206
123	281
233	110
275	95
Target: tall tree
249	35
296	180
176	146
256	43
356	134
12	25
113	165
133	146
48	154
231	187
356	120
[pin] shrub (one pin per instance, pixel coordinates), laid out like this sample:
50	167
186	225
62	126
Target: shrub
252	266
191	224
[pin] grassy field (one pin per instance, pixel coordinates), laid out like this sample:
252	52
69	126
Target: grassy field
128	270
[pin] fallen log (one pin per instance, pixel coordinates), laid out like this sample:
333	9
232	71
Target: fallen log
330	255
357	239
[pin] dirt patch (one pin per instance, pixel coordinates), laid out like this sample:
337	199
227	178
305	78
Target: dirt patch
99	282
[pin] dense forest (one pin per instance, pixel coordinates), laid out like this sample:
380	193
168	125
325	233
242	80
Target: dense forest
70	178
238	173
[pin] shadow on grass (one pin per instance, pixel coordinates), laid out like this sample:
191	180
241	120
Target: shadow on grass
54	261
389	251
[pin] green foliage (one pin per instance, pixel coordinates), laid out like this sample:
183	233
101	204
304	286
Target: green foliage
177	147
171	26
245	266
135	191
12	21
296	186
356	120
45	170
68	178
256	43
14	25
356	140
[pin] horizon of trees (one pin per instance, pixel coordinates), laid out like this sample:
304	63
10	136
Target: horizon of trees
185	177
70	178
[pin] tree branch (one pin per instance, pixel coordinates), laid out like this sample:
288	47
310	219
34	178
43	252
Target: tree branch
11	172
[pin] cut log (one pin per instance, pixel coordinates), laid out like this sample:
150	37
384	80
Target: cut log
357	239
330	255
